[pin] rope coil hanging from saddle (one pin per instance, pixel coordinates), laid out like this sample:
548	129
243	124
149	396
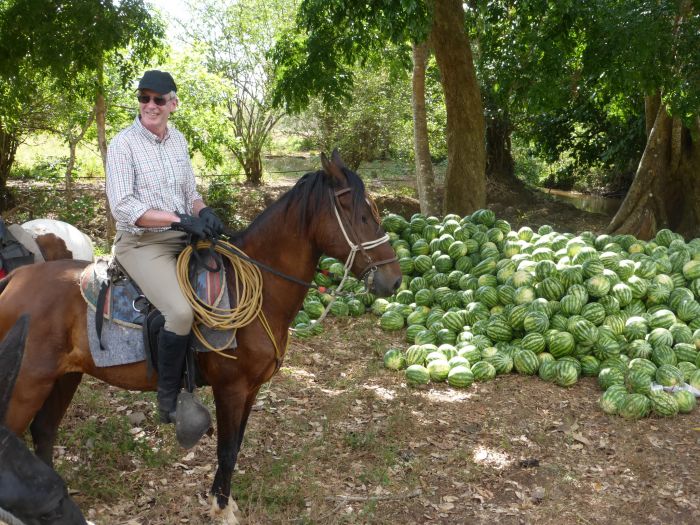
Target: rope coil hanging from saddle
248	296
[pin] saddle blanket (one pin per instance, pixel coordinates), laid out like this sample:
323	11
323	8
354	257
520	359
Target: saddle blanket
122	329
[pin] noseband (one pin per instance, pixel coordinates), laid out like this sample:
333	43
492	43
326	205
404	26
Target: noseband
372	266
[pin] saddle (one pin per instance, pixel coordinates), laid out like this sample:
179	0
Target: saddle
114	298
14	253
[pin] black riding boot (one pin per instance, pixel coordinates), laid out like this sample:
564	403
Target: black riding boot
172	349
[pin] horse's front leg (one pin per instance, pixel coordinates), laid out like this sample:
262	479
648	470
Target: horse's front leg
232	411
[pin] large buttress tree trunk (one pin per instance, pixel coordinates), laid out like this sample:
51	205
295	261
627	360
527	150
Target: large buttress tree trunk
465	180
428	195
665	192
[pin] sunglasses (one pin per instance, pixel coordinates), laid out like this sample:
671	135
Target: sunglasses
158	101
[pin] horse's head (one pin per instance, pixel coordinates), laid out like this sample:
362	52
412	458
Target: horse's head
353	233
29	489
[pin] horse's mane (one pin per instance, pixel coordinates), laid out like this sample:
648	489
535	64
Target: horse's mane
309	196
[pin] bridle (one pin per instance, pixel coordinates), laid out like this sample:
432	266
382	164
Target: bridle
370	269
372	266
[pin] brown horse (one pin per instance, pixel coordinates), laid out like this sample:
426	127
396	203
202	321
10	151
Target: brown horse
325	212
30	490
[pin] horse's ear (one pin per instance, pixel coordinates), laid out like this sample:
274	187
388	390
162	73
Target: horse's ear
332	169
11	352
325	163
335	157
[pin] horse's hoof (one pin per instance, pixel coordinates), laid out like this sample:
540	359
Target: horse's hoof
229	515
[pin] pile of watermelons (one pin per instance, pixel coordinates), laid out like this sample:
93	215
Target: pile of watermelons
479	300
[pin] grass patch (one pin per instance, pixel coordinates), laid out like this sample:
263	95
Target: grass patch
100	450
360	440
100	445
274	486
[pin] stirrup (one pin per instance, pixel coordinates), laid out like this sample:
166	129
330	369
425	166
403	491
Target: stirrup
192	420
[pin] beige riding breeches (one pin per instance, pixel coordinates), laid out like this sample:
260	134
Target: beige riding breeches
151	260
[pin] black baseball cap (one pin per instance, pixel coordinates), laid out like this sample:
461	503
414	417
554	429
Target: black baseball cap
159	81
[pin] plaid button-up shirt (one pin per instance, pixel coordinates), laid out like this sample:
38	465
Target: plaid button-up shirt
144	172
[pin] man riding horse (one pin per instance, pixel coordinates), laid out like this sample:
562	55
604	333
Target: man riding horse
152	196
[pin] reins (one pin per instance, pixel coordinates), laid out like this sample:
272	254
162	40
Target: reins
248	300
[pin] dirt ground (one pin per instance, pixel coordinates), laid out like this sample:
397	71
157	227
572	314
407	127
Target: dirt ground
336	439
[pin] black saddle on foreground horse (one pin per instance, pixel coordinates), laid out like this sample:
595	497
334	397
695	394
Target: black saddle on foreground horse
326	212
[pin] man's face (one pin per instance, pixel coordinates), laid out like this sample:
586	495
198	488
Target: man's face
154	116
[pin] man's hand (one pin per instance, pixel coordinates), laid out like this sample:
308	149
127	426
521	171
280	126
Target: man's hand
211	220
196	226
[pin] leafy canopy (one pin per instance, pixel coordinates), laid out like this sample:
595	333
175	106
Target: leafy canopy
317	56
65	38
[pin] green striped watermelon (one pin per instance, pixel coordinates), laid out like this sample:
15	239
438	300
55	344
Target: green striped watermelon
565	373
685	400
417	375
460	376
635	406
609	376
483	371
526	362
611	400
669	375
663	403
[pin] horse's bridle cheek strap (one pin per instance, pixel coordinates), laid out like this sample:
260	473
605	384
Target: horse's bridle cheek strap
368	273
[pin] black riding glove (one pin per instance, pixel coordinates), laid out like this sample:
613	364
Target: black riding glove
196	226
212	220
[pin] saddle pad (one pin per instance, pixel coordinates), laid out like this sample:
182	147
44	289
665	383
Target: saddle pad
124	344
119	305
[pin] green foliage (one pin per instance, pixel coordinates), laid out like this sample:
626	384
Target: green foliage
49	169
571	76
202	112
69	38
76	210
82	210
318	56
368	127
234	40
224	197
57	55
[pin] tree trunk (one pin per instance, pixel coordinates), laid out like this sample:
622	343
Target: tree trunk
8	148
651	108
73	142
499	157
72	146
665	192
428	195
465	180
500	167
100	124
253	168
688	170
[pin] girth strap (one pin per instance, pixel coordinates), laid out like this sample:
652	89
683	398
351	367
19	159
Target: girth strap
99	311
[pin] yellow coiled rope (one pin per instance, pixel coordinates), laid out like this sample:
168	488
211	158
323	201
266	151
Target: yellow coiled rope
247	301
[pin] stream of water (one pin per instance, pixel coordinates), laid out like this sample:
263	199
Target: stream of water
589	203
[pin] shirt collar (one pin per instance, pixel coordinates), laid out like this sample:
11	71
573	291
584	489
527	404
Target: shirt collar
151	137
